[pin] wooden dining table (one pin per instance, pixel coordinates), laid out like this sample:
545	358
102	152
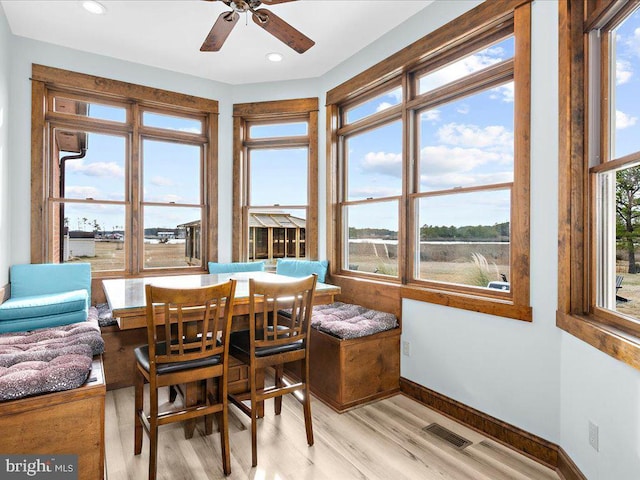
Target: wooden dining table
126	296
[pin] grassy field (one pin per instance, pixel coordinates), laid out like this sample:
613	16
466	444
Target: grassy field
110	256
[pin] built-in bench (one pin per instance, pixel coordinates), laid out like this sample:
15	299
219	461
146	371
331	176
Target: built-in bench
354	355
53	393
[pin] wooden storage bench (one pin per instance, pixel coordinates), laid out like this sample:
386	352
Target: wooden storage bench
346	372
57	423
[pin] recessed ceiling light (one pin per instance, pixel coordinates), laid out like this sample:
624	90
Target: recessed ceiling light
274	57
94	7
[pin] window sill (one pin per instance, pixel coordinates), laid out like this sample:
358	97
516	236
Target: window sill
498	307
608	339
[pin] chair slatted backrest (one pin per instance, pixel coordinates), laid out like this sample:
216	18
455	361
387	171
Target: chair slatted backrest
280	312
193	319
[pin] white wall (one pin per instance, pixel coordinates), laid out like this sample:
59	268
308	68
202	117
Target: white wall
531	375
5	210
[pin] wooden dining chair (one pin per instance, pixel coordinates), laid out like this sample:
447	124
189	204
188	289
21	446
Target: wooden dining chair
279	324
188	338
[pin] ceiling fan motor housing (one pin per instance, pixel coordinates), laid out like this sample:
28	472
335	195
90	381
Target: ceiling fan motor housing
244	6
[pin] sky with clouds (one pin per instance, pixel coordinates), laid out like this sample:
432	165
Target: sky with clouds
464	143
627	97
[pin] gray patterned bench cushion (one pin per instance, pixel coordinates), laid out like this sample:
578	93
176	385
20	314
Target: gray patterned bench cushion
345	320
48	359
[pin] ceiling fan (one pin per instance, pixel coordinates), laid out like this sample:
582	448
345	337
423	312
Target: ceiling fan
263	18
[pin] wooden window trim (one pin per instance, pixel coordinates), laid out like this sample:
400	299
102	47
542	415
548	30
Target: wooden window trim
276	111
47	81
576	313
406	65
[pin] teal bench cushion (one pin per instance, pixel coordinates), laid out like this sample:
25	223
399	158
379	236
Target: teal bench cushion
234	267
44	305
302	268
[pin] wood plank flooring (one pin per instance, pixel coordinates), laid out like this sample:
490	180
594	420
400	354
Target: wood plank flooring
383	440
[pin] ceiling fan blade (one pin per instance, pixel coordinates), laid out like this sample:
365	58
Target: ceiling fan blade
274	2
219	32
282	30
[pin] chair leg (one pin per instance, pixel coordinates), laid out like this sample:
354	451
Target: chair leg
254	420
306	404
277	401
138	407
223	422
211	399
153	433
307	415
173	393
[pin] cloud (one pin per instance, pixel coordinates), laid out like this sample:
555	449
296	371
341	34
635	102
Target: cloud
95	169
383	163
72	191
374	192
430	116
633	42
383	106
439	159
505	92
624	121
461	68
492	136
624	71
159	181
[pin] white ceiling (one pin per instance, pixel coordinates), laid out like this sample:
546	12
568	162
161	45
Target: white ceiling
168	34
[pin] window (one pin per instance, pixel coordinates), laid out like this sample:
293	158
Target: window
125	184
431	167
599	276
275	180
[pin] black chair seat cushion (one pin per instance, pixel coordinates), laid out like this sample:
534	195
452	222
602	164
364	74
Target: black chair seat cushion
239	343
142	356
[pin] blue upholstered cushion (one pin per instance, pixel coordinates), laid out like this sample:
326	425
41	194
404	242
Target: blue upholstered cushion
40	279
302	268
44	305
234	267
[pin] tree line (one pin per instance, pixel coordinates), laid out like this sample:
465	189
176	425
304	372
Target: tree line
498	232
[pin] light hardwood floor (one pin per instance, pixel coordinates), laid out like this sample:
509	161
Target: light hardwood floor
383	440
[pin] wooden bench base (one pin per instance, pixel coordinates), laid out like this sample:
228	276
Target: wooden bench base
348	373
69	422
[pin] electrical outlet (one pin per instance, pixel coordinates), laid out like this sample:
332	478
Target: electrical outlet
406	348
593	435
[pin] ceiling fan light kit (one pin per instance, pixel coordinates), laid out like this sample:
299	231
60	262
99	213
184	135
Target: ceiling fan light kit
262	17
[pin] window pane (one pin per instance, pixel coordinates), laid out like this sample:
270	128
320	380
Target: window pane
172	237
292	129
171	172
92	233
376	104
170	122
100	174
464	238
277	234
625	126
475	62
374	162
468	142
91	110
618	224
372	238
278	176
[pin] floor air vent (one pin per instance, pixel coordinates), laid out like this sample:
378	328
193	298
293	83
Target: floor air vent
448	436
